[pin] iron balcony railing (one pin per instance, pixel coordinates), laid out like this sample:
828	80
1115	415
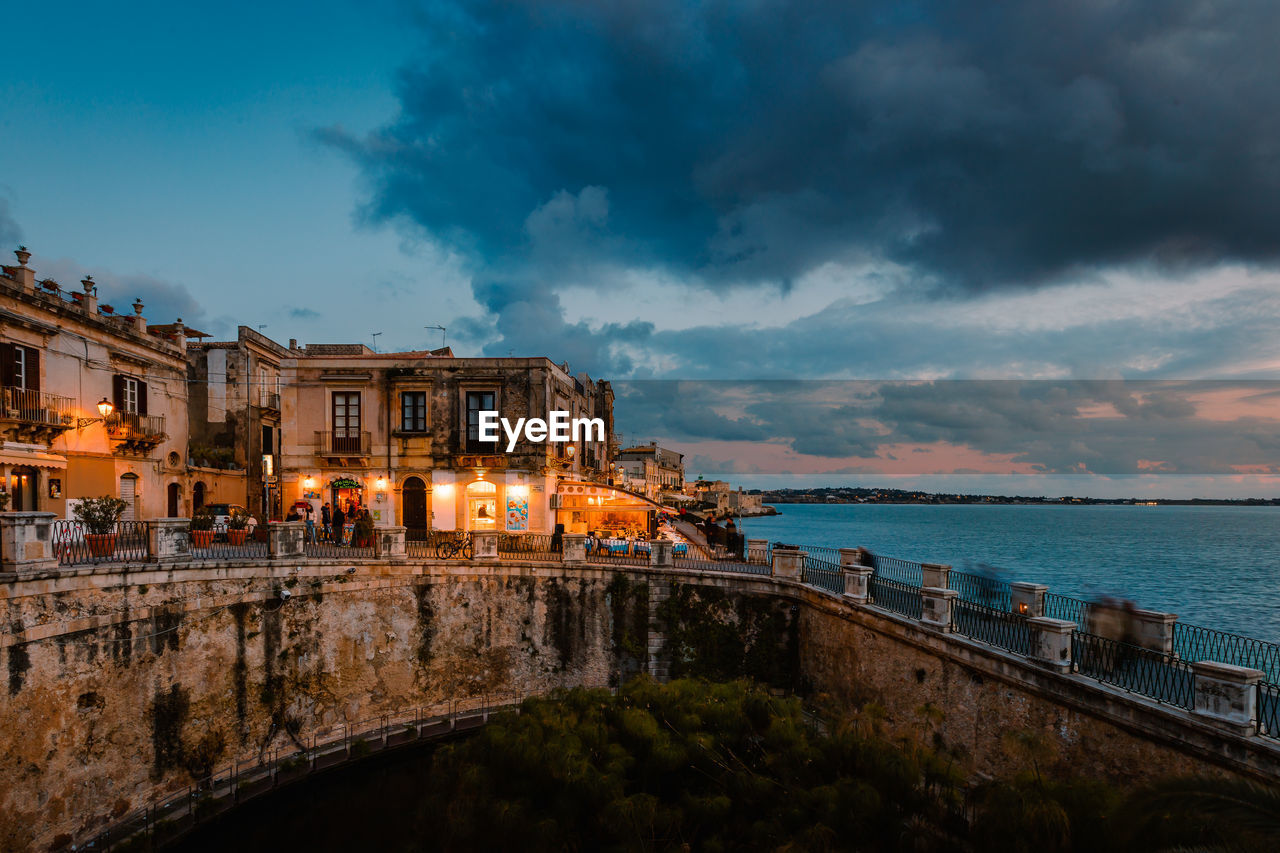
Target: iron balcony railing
133	425
349	443
268	401
36	407
74	545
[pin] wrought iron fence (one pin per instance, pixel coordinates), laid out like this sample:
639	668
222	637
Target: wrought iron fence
900	571
695	564
1269	710
37	407
993	626
1194	643
984	590
824	574
342	443
1158	676
822	552
1065	607
438	544
132	424
335	551
529	546
223	543
74	545
896	596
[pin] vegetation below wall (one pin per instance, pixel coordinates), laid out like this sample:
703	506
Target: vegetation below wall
702	766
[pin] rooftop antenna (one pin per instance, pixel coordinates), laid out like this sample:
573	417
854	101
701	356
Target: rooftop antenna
442	333
374	335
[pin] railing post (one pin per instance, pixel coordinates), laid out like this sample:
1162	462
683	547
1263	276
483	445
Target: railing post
286	538
935	575
26	542
484	544
169	540
1027	599
857	582
1051	641
758	551
574	548
1154	630
388	543
660	553
788	564
935	607
1227	695
851	557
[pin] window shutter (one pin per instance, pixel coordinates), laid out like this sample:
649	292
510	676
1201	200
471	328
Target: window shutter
7	379
117	392
142	397
33	369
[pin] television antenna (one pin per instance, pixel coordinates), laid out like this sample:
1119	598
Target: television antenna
442	333
374	335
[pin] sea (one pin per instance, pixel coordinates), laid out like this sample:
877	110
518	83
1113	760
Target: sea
1214	566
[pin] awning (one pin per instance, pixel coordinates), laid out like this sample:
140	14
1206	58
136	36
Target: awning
33	459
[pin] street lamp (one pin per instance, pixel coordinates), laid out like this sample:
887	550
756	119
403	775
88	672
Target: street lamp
104	408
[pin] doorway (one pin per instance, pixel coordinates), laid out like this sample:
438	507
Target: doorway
22	490
414	495
197	497
175	493
482	506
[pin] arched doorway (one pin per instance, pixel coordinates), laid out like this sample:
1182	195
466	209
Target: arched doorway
482	506
175	493
414	496
129	494
23	493
197	497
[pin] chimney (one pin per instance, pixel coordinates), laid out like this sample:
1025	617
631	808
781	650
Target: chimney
139	322
89	299
25	275
293	343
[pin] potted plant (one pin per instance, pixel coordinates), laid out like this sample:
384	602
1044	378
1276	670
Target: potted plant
4	501
237	526
99	516
202	528
363	532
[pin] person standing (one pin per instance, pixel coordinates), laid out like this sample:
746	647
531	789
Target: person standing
326	521
311	523
339	518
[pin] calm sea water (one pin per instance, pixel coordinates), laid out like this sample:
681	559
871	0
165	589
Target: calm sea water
1213	566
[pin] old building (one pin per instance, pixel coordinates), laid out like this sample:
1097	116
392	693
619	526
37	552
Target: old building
653	468
235	421
94	402
399	434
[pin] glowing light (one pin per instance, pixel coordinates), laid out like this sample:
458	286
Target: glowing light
309	483
381	484
105	408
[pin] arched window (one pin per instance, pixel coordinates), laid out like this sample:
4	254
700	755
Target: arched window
482	505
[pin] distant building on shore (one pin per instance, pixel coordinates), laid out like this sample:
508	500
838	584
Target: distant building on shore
651	470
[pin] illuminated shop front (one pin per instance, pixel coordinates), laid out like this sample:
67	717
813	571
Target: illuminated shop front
605	510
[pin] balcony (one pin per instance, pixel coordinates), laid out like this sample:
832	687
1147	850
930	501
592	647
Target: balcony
135	433
34	416
344	448
270	402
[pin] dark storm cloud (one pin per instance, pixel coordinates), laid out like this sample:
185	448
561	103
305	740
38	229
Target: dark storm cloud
980	144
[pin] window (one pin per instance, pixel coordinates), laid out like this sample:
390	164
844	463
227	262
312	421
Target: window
413	411
19	367
477	402
130	395
346	421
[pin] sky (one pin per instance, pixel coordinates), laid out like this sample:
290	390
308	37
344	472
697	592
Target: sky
921	193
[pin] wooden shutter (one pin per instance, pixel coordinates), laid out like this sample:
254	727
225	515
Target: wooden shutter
142	397
33	369
7	379
117	392
128	494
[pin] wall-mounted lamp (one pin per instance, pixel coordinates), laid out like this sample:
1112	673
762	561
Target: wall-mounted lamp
381	484
1022	608
309	483
104	408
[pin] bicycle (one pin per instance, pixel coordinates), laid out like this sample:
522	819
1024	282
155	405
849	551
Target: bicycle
459	544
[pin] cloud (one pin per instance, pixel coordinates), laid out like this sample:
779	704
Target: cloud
163	301
304	314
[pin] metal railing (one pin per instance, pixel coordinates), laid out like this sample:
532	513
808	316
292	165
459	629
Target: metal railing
36	407
1269	710
824	574
1148	673
987	591
600	551
342	443
437	544
529	546
993	626
1194	643
336	551
898	597
1065	607
268	400
134	425
223	543
74	545
822	552
170	818
900	571
697	565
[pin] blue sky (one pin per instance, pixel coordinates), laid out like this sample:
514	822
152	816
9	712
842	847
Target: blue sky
700	190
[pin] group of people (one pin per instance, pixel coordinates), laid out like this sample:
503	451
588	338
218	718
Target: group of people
332	520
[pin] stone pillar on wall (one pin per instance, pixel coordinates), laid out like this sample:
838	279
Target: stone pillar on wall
1227	695
660	552
935	607
485	544
285	538
788	564
1051	641
851	557
758	551
388	543
935	575
169	540
857	583
1027	599
1154	630
575	548
26	542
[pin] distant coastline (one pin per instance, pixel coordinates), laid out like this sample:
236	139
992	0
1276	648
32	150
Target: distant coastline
823	495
